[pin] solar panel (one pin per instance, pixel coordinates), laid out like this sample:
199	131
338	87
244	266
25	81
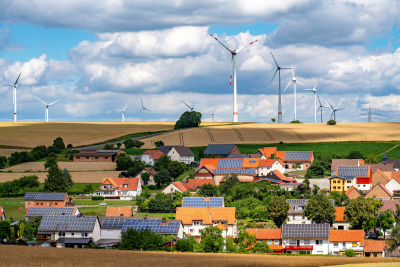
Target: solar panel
113	222
49	211
155	226
297	155
67	223
200	202
305	230
352	171
304	201
230	163
234	171
44	196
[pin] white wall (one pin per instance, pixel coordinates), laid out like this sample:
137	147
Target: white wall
110	233
317	249
298	219
347	245
147	159
392	185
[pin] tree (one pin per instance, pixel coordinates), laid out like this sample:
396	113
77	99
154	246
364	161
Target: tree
5	229
315	190
162	163
119	145
108	147
185	245
393	242
145	176
371	159
337	156
385	221
55	181
128	143
331	122
124	162
341	199
229	182
59	143
175	169
355	155
3	161
88	189
137	144
211	239
143	239
201	153
360	213
261	247
162	177
320	210
245	241
188	119
277	210
137	166
30	181
208	190
50	162
21	229
69	146
316	170
67	178
159	143
273	119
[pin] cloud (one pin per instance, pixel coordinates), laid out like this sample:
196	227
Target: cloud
33	70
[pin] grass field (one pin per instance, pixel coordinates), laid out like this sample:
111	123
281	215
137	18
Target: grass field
70	166
163	215
13	208
38	256
77	177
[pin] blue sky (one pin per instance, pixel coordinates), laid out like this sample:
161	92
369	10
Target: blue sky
99	59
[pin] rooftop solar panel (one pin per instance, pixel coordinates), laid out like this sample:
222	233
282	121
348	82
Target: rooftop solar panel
155	226
305	230
230	163
67	223
44	196
197	202
297	155
39	211
234	171
304	201
352	171
113	222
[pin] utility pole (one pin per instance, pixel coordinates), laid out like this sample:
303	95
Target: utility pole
369	112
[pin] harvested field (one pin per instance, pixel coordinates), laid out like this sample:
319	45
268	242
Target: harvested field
264	133
71	166
6	152
37	256
77	177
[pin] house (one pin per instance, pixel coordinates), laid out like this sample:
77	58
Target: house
267	152
111	228
394	186
158	226
383	167
268	165
353	193
340	222
205	172
340	240
119	212
175	186
122	188
344	162
203	202
278	177
395	162
2	215
152	173
374	248
150	156
181	154
380	192
296	208
97	155
380	176
221	150
195	184
341	184
194	220
47	200
273	237
296	159
50	211
347	176
305	238
69	231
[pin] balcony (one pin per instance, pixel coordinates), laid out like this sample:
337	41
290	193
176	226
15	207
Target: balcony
299	247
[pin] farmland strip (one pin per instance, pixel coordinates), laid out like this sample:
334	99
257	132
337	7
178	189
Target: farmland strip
299	135
210	135
239	134
268	134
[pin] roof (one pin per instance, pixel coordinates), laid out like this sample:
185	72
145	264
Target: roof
294	203
250	163
128	184
262	233
314	230
119	211
154	154
219	149
202	202
78	240
344	162
234	171
194	184
396	176
298	156
95	154
230	164
269	162
347	236
383	174
165	149
353	171
221	226
339	213
389	205
280	155
268	151
67	223
385	167
44	196
207	215
282	177
395	162
374	245
180	186
184	151
51	211
209	161
241	156
1	211
151	170
351	189
377	186
155	225
112	222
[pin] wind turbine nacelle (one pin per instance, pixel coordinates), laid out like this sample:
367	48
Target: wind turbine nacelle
294	80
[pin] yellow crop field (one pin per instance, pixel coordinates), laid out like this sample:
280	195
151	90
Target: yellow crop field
37	256
70	166
8	151
77	177
259	133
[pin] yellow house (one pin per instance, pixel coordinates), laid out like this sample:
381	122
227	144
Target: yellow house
341	184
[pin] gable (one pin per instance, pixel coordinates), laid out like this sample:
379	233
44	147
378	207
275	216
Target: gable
379	191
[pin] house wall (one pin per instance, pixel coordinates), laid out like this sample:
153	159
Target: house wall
47	203
93	159
110	233
379	193
392	185
317	249
151	179
170	189
353	194
195	230
298	219
266	170
112	192
339	185
96	234
235	151
174	155
379	177
203	173
345	225
338	248
147	159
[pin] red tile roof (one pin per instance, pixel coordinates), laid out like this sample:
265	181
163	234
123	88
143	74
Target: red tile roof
389	205
263	234
155	154
151	171
269	162
268	151
123	183
180	186
1	211
347	236
193	184
209	161
207	215
283	177
118	211
339	214
374	245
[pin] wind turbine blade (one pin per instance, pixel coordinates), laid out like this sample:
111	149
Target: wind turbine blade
214	110
240	49
276	63
142	102
118	110
146	109
291	66
124	108
40	101
319	102
316	83
11	84
186	105
339	109
300	83
230	78
319	108
17	79
274	76
54	102
330	104
287	86
308	89
230	50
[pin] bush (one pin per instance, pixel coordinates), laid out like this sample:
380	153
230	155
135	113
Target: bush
349	253
296	121
184	245
188	119
151	187
69	146
331	122
159	143
97	198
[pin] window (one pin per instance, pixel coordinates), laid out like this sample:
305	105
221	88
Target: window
61	234
276	242
334	187
78	157
72	234
334	181
306	242
56	203
37	203
41	203
354	244
335	244
106	157
348	181
269	242
191	230
319	242
96	157
344	244
87	157
293	242
172	190
294	217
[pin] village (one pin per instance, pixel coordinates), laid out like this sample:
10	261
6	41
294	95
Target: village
231	202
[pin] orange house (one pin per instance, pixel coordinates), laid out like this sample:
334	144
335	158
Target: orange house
273	237
47	200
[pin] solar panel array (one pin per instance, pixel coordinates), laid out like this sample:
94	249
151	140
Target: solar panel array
154	225
44	196
230	164
241	156
199	202
39	211
113	222
305	230
297	155
352	171
304	201
67	223
234	171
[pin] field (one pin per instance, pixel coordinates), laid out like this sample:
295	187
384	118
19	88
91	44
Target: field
77	177
265	133
70	166
6	152
37	256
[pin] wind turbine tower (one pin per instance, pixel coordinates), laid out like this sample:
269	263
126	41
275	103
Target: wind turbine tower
233	69
143	109
321	107
15	85
212	115
294	81
46	113
334	111
315	101
122	112
278	69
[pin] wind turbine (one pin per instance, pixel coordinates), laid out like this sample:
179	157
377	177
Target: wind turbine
278	68
233	69
334	111
191	108
315	101
46	113
122	112
212	115
15	97
143	109
294	81
321	107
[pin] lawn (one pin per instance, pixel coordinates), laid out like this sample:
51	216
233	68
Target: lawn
135	151
99	211
184	175
13	208
163	215
110	202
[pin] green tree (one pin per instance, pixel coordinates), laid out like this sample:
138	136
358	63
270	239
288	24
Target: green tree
70	146
188	119
119	145
372	159
355	155
261	247
108	147
50	162
5	229
67	178
201	153
349	253
145	176
341	199
143	239
393	242
320	210
331	122
175	169
137	144
128	143
337	156
228	182
185	245
162	177
30	181
360	213
273	119
28	231
316	170
208	190
59	143
123	162
315	190
245	241
277	210
21	229
136	167
162	163
211	240
55	180
385	221
88	189
3	162
159	143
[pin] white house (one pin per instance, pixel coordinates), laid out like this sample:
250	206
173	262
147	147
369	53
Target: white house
393	185
175	186
181	154
296	208
305	238
2	215
340	240
124	188
268	165
70	231
150	156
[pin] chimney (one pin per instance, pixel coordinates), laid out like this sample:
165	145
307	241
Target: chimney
145	217
164	220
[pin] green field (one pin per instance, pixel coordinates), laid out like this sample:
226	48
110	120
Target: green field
163	215
99	211
113	203
13	208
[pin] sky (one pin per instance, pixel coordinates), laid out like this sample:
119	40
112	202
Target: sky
99	56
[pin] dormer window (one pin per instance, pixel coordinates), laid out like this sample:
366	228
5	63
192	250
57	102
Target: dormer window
125	185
